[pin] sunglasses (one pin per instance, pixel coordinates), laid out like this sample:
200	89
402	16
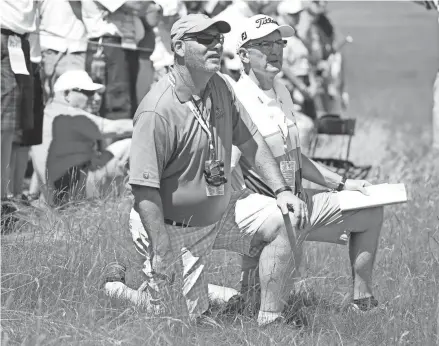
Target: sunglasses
269	45
88	93
205	39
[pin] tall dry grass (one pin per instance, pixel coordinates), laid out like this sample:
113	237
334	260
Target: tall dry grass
50	278
51	291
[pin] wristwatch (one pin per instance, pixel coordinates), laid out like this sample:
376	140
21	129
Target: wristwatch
340	186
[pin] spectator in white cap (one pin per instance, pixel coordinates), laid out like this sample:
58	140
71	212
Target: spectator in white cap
270	107
67	159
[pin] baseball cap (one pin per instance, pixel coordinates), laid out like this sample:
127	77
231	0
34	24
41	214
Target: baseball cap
290	7
75	79
193	23
261	25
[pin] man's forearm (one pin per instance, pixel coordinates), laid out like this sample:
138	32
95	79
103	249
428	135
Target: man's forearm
259	155
149	206
117	128
319	174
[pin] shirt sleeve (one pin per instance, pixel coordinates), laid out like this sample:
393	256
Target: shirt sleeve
243	126
112	5
151	149
92	126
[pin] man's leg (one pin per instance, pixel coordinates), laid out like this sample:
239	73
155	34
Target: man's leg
436	113
255	224
19	160
328	223
6	149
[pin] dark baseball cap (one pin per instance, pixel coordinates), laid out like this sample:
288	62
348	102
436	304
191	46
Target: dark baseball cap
193	23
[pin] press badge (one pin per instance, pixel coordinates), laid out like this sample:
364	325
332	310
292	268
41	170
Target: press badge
288	170
16	55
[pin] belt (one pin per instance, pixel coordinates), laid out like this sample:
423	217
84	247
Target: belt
106	38
175	223
10	32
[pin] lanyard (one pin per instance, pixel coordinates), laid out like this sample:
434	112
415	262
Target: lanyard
204	125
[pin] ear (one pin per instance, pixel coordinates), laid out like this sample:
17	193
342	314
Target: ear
66	94
179	48
243	55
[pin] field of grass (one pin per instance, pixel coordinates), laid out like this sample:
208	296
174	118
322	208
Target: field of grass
50	270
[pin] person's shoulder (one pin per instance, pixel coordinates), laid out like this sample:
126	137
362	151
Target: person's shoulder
158	100
223	84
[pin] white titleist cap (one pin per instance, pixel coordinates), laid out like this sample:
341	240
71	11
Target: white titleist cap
75	79
261	25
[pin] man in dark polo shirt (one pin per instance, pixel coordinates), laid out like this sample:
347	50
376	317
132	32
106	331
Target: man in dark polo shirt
180	176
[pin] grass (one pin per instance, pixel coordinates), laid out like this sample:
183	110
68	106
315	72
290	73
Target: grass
50	278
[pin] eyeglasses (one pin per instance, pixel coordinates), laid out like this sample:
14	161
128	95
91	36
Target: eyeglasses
205	39
269	45
88	93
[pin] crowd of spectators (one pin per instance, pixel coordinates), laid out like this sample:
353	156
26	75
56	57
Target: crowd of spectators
74	72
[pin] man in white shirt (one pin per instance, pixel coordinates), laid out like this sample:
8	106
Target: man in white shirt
111	26
67	161
270	106
63	40
17	20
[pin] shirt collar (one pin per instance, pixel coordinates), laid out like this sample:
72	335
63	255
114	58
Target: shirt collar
183	92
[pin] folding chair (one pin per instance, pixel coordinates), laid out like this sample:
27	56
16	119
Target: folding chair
334	125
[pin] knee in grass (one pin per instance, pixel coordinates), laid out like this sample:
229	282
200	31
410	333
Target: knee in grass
272	228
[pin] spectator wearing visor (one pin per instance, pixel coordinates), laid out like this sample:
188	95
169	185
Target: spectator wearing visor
67	163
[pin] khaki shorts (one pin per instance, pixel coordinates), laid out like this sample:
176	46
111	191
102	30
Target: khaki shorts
329	224
244	215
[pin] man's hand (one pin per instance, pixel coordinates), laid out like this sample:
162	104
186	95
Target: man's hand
288	202
161	263
357	185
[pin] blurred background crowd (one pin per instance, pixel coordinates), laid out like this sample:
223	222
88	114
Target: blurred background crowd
68	103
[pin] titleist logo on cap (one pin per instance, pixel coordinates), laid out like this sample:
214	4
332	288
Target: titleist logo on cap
265	20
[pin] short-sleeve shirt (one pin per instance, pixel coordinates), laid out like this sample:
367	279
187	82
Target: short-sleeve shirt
272	113
69	137
169	147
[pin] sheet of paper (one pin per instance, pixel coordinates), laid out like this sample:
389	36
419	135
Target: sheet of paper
379	195
16	55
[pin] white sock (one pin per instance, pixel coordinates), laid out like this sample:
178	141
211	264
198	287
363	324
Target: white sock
267	317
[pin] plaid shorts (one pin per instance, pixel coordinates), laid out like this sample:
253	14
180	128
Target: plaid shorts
16	90
244	215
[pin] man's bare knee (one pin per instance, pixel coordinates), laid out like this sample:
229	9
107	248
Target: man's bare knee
270	229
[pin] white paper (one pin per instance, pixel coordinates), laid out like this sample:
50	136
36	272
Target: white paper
16	55
379	195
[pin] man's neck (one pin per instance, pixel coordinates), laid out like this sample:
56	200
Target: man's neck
263	82
195	80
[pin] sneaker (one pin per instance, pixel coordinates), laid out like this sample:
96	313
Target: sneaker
114	272
278	321
365	304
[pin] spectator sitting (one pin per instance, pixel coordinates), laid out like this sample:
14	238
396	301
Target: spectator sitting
66	162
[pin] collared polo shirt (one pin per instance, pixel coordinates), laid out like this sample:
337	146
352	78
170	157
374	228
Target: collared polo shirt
270	111
169	147
60	27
